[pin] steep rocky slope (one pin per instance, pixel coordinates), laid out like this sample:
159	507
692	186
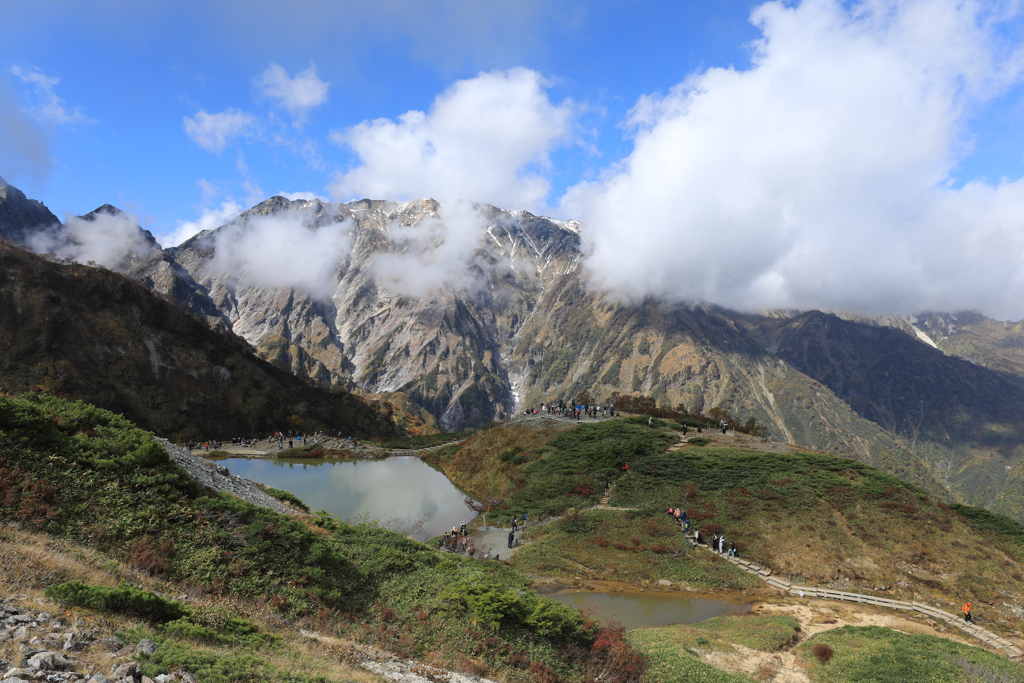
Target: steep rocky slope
92	334
21	217
443	349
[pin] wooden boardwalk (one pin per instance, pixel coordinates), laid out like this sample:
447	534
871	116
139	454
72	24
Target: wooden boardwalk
994	641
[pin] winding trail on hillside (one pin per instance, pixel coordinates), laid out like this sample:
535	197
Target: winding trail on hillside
994	641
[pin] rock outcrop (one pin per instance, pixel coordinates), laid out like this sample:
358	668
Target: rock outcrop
52	650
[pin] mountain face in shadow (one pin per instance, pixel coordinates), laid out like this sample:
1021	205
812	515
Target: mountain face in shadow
94	335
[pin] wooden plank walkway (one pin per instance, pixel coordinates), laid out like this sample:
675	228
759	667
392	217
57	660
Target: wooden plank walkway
994	641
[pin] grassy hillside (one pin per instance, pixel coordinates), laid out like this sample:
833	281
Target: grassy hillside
88	476
90	334
820	518
832	520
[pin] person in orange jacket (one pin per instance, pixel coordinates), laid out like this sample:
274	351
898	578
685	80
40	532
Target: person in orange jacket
966	609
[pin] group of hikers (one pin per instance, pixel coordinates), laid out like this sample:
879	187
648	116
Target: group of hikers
717	541
573	410
513	528
293	439
457	541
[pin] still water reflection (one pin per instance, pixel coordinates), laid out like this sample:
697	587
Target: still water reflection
636	610
401	488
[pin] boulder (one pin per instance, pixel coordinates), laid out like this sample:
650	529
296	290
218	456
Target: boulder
111	643
163	678
146	647
48	661
16	680
98	678
126	670
19	672
664	582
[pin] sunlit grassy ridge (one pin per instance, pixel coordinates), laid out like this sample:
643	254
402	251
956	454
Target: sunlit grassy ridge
84	474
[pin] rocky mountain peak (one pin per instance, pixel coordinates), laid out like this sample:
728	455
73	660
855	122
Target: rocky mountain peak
21	217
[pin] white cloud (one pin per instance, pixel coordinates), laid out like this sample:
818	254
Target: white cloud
209	220
213	132
23	146
50	108
105	238
433	254
820	176
305	196
297	95
485	139
283	250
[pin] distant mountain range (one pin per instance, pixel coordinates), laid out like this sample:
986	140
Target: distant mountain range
465	323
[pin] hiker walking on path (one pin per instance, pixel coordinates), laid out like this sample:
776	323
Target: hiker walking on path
511	538
967	613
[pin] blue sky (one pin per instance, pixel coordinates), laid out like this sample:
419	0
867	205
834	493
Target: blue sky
129	75
799	135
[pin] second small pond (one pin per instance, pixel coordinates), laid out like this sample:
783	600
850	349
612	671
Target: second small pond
638	610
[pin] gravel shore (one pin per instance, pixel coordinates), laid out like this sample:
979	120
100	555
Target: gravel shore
217	477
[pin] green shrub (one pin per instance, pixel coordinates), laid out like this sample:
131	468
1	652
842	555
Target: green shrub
490	602
287	497
985	520
125	599
552	618
699	440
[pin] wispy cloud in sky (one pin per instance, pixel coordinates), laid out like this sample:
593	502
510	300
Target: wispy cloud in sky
297	95
213	132
210	219
47	106
485	139
23	146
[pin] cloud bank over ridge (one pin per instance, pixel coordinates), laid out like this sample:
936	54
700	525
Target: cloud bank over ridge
820	177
